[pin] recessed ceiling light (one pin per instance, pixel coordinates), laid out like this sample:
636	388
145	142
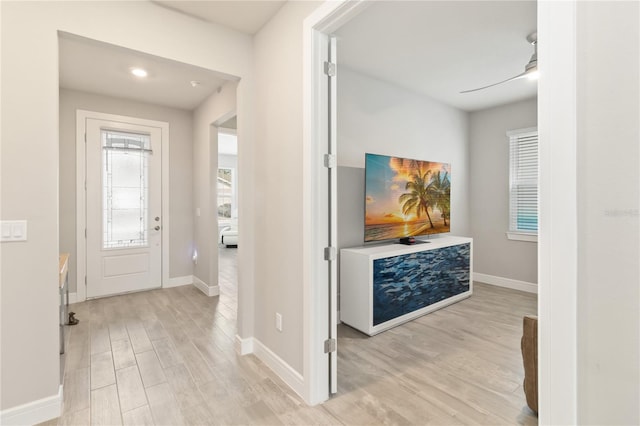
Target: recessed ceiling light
139	72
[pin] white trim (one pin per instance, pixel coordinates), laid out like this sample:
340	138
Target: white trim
243	346
178	281
81	214
287	373
325	19
558	214
522	236
34	412
209	290
506	282
73	298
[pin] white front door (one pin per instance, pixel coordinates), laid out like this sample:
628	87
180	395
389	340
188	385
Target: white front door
123	207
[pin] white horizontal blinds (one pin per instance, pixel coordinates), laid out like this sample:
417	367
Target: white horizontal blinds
523	212
125	189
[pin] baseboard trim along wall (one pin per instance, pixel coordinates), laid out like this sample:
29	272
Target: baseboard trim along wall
506	282
179	281
243	346
290	376
209	290
34	412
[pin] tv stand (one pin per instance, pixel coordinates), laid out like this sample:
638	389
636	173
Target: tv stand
384	286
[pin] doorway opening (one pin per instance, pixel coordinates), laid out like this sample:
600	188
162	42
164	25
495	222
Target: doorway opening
122	203
318	29
227	211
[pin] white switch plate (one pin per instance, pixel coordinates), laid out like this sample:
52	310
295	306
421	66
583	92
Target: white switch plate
14	230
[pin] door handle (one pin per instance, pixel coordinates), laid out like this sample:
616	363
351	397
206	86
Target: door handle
157	228
157	219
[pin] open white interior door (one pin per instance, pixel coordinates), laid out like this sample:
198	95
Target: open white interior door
332	168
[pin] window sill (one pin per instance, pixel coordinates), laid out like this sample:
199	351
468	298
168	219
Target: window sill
522	236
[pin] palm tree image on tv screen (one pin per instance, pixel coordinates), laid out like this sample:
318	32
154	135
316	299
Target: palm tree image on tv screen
405	197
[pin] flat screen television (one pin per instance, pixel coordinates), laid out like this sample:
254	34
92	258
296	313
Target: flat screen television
405	198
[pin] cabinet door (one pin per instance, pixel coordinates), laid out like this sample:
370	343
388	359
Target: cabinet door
409	282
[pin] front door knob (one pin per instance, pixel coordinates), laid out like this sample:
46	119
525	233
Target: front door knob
157	228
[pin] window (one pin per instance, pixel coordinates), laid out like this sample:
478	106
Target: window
523	184
225	195
125	189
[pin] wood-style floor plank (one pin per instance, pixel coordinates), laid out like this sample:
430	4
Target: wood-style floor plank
167	357
105	407
130	389
102	373
150	369
140	416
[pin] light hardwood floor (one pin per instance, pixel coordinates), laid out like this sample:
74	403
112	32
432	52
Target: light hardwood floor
166	357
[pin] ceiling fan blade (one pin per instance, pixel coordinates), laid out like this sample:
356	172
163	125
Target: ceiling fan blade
495	84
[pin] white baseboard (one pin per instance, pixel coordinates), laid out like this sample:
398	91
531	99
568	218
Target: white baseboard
290	376
506	282
244	346
209	290
179	281
34	412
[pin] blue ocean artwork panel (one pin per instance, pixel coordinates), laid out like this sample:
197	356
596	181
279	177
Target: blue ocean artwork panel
406	283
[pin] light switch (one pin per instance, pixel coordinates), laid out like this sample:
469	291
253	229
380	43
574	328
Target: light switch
6	231
17	231
14	230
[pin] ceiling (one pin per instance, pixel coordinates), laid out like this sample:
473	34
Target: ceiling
101	68
439	48
241	15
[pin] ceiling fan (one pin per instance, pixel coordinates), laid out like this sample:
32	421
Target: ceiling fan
530	70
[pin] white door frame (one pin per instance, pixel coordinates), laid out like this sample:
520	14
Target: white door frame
316	30
81	174
557	278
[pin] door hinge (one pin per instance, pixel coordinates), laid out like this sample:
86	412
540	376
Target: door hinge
85	233
329	253
85	280
329	161
330	69
85	138
329	346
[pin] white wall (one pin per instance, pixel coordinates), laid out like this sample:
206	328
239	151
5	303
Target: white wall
608	89
205	179
180	167
493	253
30	153
382	118
279	186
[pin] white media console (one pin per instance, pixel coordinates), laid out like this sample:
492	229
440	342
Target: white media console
386	285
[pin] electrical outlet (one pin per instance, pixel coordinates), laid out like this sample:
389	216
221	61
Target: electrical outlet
278	322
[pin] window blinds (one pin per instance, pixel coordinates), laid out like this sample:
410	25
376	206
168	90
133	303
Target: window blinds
523	180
